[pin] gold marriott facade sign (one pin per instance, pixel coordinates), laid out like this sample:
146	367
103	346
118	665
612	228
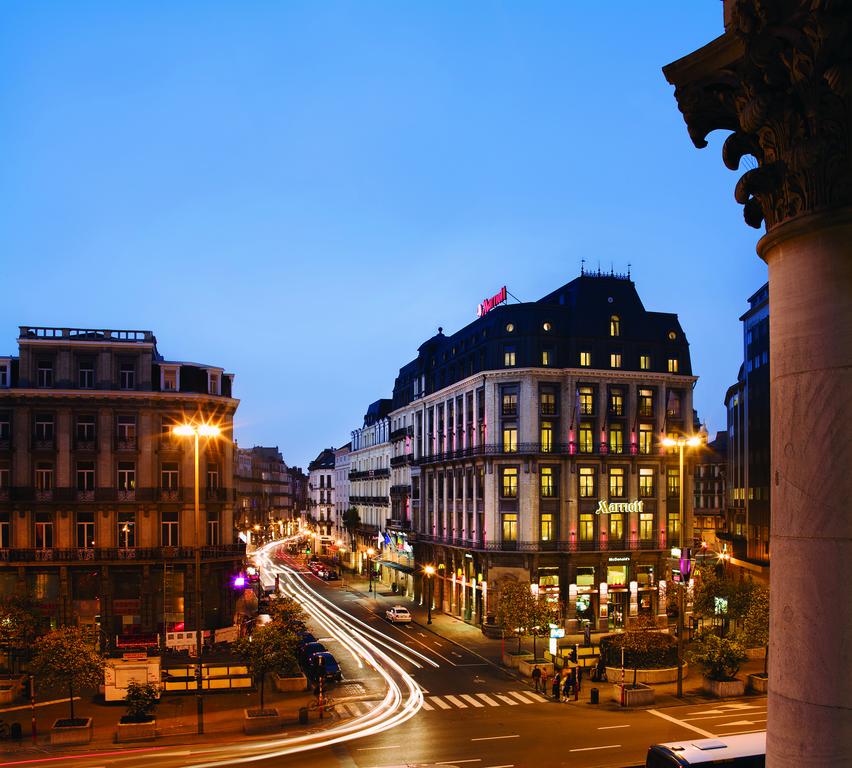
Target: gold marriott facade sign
618	507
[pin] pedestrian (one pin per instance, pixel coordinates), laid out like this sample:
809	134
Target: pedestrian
536	676
566	686
555	688
545	676
587	634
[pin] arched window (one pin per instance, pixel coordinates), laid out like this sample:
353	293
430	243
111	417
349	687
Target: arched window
615	325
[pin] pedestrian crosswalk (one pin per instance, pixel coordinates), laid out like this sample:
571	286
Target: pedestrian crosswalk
453	701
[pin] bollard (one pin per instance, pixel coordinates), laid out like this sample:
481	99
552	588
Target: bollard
303	715
594	696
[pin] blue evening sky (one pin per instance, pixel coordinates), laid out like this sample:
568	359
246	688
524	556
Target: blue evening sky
302	192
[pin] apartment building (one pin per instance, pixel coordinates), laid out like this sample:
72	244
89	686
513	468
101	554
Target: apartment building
97	520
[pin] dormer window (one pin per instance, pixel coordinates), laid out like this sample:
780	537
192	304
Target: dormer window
5	378
127	376
45	373
170	379
213	382
615	325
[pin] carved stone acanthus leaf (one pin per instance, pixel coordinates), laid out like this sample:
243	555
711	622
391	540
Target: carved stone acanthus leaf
780	79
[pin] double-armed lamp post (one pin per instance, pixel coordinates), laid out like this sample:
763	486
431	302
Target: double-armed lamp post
370	553
686	441
196	431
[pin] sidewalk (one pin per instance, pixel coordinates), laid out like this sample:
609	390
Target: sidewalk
471	638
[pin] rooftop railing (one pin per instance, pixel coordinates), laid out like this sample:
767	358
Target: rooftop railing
85	334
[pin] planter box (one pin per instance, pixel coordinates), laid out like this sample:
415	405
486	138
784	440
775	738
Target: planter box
758	683
526	665
11	687
71	734
492	631
136	731
755	653
514	659
647	676
266	721
641	696
294	683
722	689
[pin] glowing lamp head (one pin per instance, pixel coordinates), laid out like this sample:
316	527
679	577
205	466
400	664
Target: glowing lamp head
669	442
429	570
371	551
183	430
257	526
694	441
239	581
208	430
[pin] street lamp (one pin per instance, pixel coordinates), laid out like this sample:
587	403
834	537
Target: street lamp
196	431
686	441
370	553
429	570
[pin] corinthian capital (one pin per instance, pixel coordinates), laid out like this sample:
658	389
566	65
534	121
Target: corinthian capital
780	80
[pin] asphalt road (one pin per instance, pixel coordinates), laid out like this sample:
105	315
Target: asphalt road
472	713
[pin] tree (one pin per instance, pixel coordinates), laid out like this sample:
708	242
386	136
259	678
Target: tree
64	658
287	615
18	624
351	521
269	649
720	657
542	614
755	630
515	608
644	646
719	596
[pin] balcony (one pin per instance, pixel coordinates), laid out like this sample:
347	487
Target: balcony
87	495
125	495
44	444
85	445
544	546
44	494
369	473
401	433
400	490
170	494
396	524
216	494
125	443
401	461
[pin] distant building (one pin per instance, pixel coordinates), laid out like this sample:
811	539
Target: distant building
321	497
749	459
341	496
299	489
711	472
536	452
97	517
264	490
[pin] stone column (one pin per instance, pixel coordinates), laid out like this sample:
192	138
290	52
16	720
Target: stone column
781	80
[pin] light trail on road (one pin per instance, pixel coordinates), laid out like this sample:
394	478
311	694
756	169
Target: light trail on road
402	700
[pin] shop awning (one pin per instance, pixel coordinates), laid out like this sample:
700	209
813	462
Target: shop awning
396	566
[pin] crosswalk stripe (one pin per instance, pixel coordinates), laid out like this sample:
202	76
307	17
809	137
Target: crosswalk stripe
488	700
520	697
467	697
350	708
427	706
537	696
506	700
453	700
437	700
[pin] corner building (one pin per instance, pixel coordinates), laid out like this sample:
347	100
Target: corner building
97	520
536	453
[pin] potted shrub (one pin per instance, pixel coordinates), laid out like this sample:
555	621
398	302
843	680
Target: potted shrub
139	722
267	650
63	658
642	647
720	658
755	634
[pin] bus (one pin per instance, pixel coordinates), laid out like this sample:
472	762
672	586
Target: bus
747	750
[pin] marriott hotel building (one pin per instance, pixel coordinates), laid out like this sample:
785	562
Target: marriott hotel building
527	447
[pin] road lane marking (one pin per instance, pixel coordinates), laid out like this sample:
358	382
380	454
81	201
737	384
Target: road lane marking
427	706
507	765
520	697
440	702
537	696
610	727
458	702
592	749
475	702
682	724
370	749
495	738
488	700
506	700
39	704
458	762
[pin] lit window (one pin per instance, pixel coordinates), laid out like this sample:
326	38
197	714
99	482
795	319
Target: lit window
646	402
615	360
616	482
586	441
646	438
672	482
616	438
672	365
646	482
644	362
547	402
510	526
170	379
546	357
548	487
587	482
509	357
547	526
587	401
646	526
615	326
509	489
546	436
510	404
587	527
616	526
510	438
585	359
616	402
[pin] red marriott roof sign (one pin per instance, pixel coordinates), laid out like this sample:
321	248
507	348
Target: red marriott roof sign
488	304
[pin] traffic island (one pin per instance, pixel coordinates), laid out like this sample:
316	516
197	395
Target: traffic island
261	720
69	732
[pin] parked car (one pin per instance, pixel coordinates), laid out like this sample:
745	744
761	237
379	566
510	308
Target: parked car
329	574
307	650
398	615
324	664
305	638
